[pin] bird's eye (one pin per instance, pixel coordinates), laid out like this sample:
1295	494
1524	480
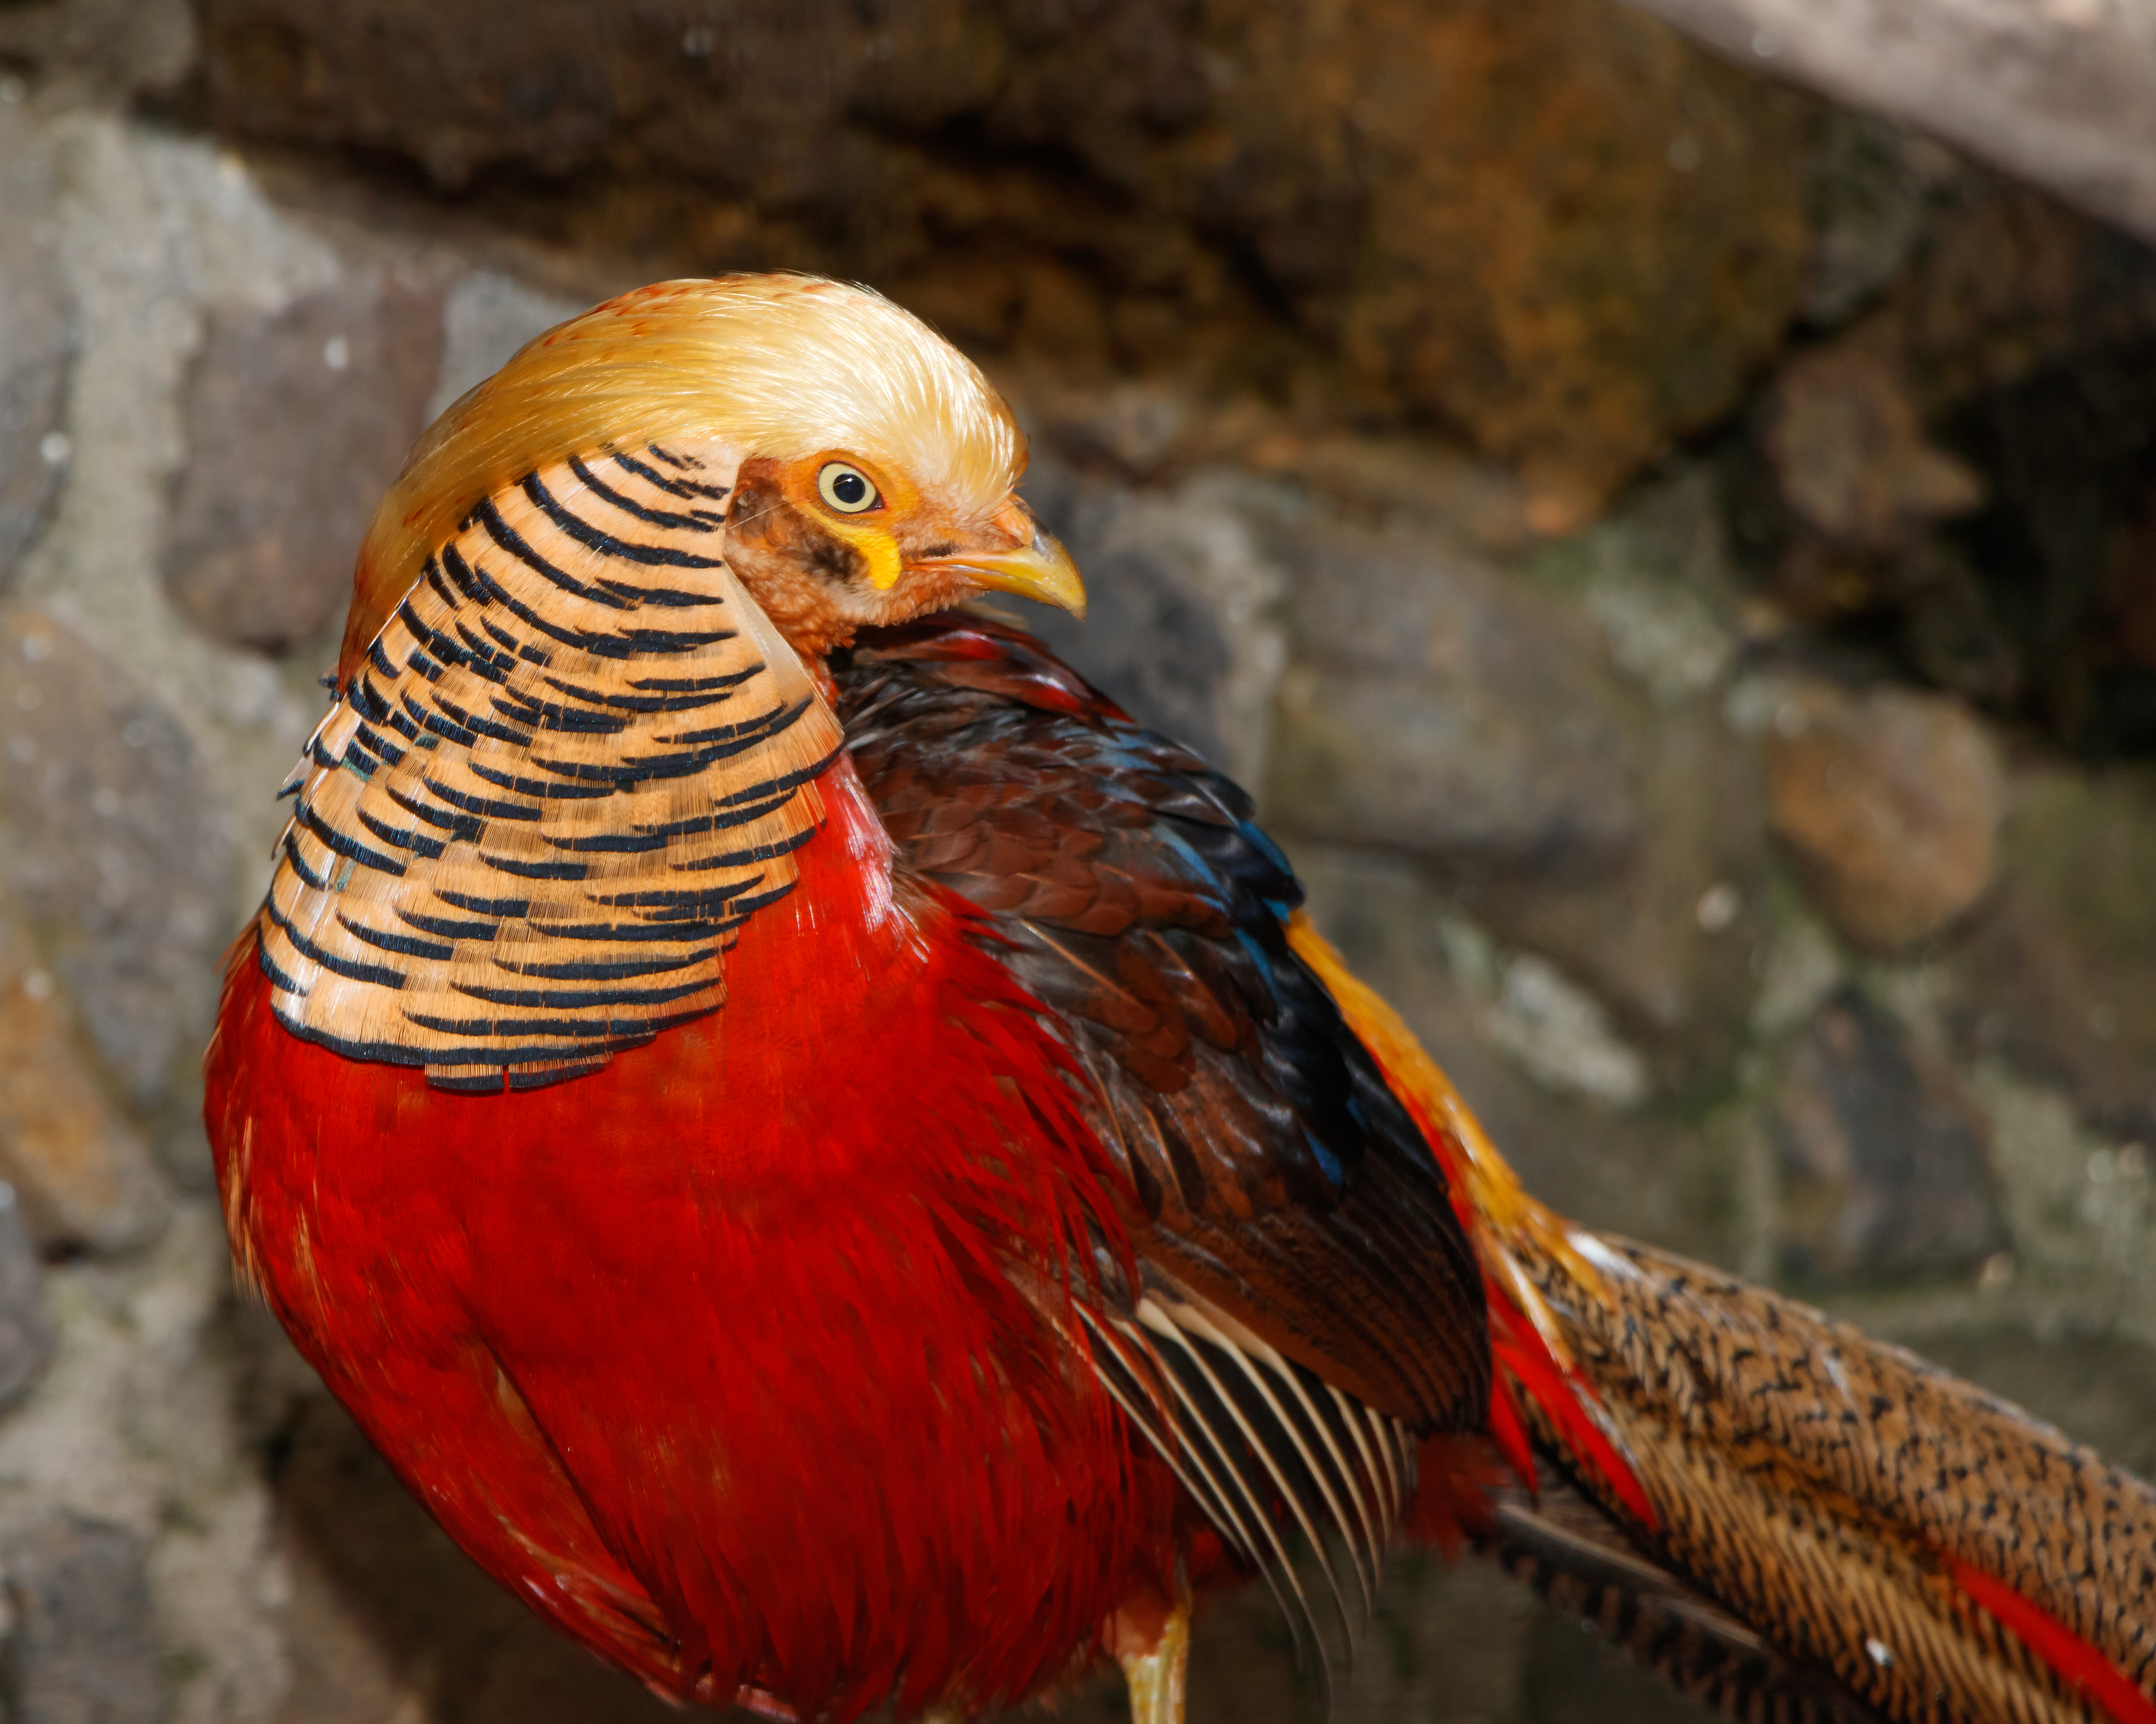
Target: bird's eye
846	488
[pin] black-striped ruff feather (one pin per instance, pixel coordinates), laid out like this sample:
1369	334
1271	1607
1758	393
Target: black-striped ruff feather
574	761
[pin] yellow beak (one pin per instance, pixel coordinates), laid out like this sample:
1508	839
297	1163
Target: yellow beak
1017	556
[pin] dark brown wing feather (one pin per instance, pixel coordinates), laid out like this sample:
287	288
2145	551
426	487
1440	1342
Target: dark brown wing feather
1276	1175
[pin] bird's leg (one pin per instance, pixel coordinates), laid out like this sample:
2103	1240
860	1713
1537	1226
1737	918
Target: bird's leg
1151	1639
1156	1678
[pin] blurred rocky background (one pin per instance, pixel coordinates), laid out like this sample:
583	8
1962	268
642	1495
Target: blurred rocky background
1675	558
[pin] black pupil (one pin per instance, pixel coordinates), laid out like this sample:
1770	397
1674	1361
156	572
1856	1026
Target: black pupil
850	489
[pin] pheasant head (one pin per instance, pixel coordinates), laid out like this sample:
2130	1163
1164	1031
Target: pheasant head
867	467
582	717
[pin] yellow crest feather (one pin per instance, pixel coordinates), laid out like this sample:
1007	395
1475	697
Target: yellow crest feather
776	365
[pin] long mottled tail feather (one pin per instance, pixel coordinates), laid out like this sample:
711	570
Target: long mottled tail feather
1935	1551
1561	1543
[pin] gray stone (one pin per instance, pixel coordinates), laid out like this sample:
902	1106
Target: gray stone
1144	641
1401	479
1442	711
296	423
1885	1174
1667	935
486	316
1561	1037
80	1177
105	48
1641	1173
1568	782
2058	973
135	1427
1143	429
2063	94
110	843
1890	803
37	339
1178	627
1867	185
26	1326
85	1648
1849	450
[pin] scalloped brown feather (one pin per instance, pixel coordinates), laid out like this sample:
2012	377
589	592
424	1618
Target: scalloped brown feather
1276	1173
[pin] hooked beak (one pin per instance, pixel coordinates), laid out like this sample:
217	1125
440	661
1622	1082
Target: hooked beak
1015	555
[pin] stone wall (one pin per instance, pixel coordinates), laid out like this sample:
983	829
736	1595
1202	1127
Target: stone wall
1676	562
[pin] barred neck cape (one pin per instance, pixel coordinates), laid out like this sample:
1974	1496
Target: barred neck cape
575	758
846	1177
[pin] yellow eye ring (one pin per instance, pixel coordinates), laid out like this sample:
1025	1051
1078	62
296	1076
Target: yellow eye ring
845	489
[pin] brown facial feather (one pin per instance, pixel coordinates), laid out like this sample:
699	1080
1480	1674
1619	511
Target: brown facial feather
811	581
1277	1176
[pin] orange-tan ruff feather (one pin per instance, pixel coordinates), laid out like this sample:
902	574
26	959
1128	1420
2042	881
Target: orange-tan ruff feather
825	1156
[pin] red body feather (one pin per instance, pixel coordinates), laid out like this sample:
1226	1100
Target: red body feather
807	1344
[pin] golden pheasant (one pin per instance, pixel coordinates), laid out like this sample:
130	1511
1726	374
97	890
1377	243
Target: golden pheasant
827	1158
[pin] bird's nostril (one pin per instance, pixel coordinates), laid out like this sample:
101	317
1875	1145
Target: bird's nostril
1016	523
